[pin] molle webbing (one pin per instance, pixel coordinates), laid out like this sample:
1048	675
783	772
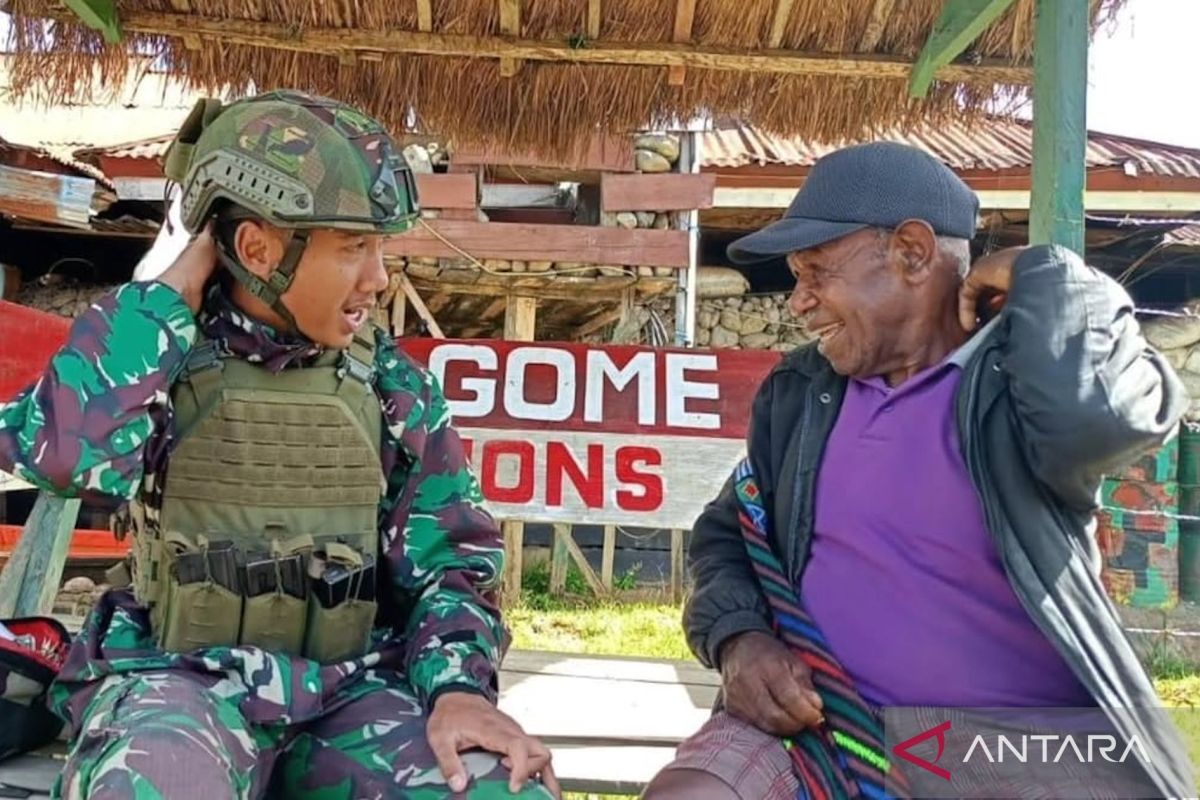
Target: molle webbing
267	459
276	454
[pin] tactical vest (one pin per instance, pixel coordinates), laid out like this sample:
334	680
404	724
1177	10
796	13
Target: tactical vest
277	463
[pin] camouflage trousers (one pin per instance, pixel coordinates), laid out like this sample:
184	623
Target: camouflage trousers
180	735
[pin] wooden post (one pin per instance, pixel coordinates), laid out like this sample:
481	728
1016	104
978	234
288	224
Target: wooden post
520	320
1059	123
559	559
610	552
960	24
676	566
30	580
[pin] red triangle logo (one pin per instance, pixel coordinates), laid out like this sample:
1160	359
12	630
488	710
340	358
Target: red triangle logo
939	731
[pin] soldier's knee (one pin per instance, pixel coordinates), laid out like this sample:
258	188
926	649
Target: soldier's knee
688	784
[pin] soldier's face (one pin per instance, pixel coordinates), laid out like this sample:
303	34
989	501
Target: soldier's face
335	285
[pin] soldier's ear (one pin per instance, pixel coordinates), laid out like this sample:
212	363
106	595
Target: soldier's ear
259	247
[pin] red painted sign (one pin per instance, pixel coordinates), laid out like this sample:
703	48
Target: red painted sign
562	432
557	432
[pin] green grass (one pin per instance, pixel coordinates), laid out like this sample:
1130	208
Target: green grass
579	623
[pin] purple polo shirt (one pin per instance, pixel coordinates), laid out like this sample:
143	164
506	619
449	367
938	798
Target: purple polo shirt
904	579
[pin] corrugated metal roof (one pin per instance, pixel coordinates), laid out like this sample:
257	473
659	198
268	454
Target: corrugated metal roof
154	148
993	144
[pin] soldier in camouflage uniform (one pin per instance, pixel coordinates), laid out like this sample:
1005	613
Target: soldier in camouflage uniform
414	714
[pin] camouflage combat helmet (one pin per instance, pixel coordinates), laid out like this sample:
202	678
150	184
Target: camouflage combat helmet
296	160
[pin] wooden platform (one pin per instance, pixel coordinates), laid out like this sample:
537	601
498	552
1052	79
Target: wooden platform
612	723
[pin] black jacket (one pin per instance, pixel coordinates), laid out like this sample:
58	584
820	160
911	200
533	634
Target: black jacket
1059	390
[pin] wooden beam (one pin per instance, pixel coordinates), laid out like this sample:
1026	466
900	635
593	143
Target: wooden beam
29	581
424	15
594	18
520	319
330	41
677	566
779	20
602	153
960	24
1059	123
584	244
1014	199
665	192
473	282
510	25
581	561
447	190
876	24
608	556
419	306
685	16
559	559
597	322
514	556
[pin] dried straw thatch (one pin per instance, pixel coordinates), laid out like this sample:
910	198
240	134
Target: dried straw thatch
326	46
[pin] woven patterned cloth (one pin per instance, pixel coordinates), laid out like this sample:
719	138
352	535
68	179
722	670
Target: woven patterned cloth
845	756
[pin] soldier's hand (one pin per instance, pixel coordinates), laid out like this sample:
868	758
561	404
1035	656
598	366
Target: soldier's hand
767	685
461	721
190	272
985	288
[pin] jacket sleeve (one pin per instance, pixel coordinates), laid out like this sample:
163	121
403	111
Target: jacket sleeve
726	599
446	553
82	429
1090	394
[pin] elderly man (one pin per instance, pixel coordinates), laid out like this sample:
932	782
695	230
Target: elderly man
922	481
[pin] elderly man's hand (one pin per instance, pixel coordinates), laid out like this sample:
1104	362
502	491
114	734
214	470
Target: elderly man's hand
767	685
986	286
462	721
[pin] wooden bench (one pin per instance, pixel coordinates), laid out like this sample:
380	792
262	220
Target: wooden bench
612	723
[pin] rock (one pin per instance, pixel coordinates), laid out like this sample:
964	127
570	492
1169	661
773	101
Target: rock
723	337
430	213
645	272
703	336
429	262
627	219
611	270
783	347
497	265
608	219
456	263
665	272
645	219
774	314
79	585
1176	358
706	318
520	266
720	282
1168	333
752	323
731	320
584	272
664	145
1191	363
647	161
424	271
733	302
759	341
1191	382
418	159
540	266
662	222
567	266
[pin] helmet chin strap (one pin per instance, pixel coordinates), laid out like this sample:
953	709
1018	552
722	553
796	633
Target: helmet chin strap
271	290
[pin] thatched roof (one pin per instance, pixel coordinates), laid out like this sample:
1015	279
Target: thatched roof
548	73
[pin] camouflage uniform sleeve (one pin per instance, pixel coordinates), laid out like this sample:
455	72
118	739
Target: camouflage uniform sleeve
445	551
81	429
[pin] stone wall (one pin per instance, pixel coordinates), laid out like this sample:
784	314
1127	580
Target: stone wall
754	322
1178	338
